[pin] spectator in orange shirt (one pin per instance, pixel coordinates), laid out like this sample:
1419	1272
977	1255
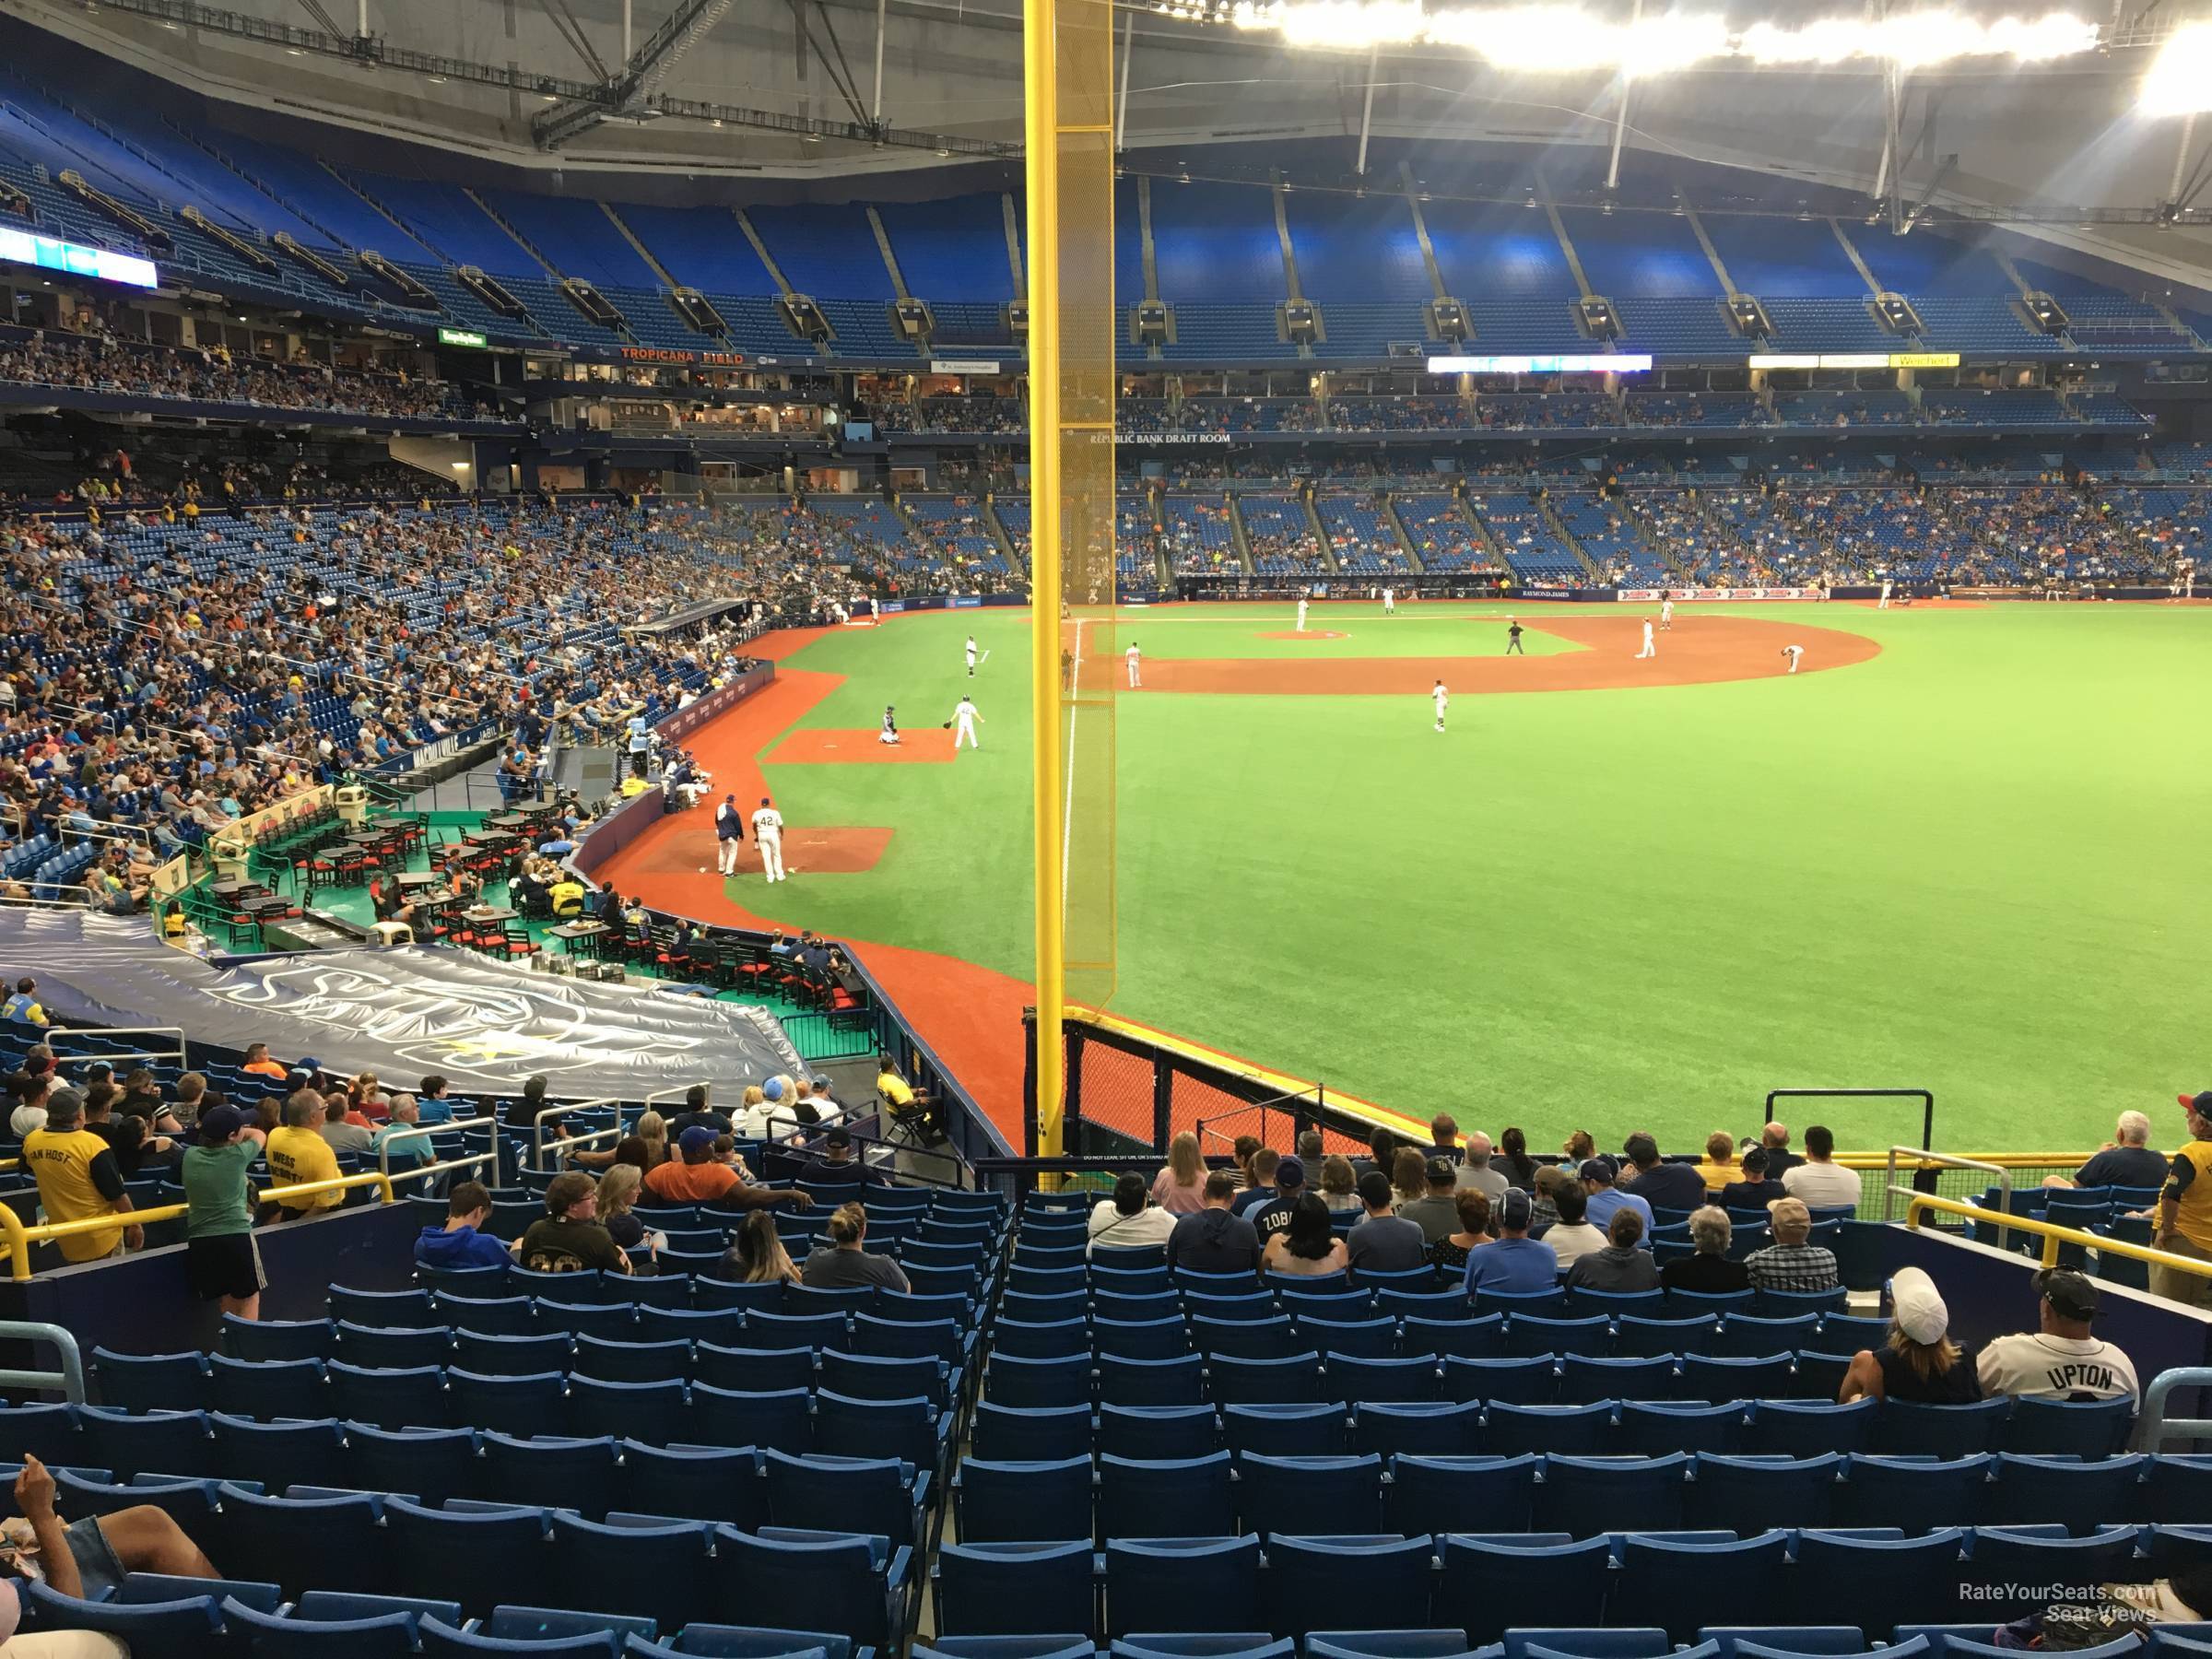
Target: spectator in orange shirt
696	1176
259	1063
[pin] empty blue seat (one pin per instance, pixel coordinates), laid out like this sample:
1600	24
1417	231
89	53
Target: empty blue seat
633	1359
1155	1498
1346	1377
518	1405
1428	1427
268	1635
173	1629
1803	1640
2066	1489
857	1584
1158	1432
753	1371
1790	1428
1387	1644
1439	1495
1009	1379
798	1330
1919	1576
383	1310
1584	1379
1571	1430
2068	1428
492	1354
1348	1490
1653	1427
1617	1642
1024	1338
1167	1382
397	1349
1639	1336
262	1340
1294	1380
1748	1495
1013	1589
848	1494
1160	1338
471	1554
489	1315
1906	1429
1268	1337
1486	1579
1315	1579
697	1483
1546	1304
1582	1497
1315	1428
1532	1380
308	1453
1527	1334
1669	1581
1183	1584
1455	1336
782	1417
909	1429
649	1571
1736	1377
267	1389
1023	1502
613	1321
1358	1338
432	1464
174	1443
414	1397
1030	1434
307	1543
2016	1572
1916	1493
550	1473
150	1382
1753	1336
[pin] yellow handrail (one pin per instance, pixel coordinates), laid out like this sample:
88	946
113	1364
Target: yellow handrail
2052	1234
2006	1160
16	1238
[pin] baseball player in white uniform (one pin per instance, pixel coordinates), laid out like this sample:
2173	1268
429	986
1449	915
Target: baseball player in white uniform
971	656
1884	604
1444	702
729	835
1666	612
768	834
964	718
1133	658
1796	653
1302	613
1390	603
1651	648
890	725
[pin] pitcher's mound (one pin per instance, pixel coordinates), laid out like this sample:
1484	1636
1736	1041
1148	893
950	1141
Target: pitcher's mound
812	745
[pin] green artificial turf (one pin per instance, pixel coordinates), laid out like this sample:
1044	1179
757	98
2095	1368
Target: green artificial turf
1973	863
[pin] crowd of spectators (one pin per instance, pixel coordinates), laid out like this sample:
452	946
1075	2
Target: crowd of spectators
105	362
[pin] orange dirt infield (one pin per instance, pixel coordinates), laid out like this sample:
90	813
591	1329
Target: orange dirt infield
821	747
1696	650
1311	633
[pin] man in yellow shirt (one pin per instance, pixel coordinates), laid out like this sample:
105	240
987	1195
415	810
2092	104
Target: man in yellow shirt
2184	1212
298	1154
79	1179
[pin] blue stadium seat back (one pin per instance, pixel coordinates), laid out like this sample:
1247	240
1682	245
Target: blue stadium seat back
789	1580
2177	1489
753	1369
1128	1256
1486	1580
492	1280
667	1290
1653	1427
1652	1336
383	1310
176	1629
752	1642
2068	1489
555	1624
614	1409
1669	1581
1346	1490
1432	1429
1183	1584
911	1430
782	1417
1162	1339
696	1483
2068	1428
1913	1491
803	1301
1016	1589
151	1382
1527	1334
1029	1434
1064	1646
1756	1336
1375	1338
266	1339
1023	1502
1584	1379
1614	1304
2177	1549
1314	1429
2070	1568
2174	1641
1108	1280
1960	1647
307	1452
848	1494
1846	1335
521	1406
336	1606
1448	1302
1583	1496
1919	1576
881	1377
1294	1380
1010	1380
432	1464
1786	1305
1905	1428
178	1442
945	1340
1820	1377
655	1572
53	1434
724	1325
1389	1644
1528	1379
1033	1308
1747	1495
1062	1339
1688	1304
936	1278
1630	1642
1738	1377
1314	1577
1134	1309
139	1588
1267	1337
513	1316
442	1640
1232	1305
268	1635
1187	1644
1543	1304
1177	1380
473	1554
1193	1497
1570	1431
613	1321
1436	1495
1158	1431
1418	1281
577	1473
1462	1338
1192	1280
304	1543
1070	1279
1805	1642
393	1348
633	1359
1803	1429
267	1389
416	1396
721	1294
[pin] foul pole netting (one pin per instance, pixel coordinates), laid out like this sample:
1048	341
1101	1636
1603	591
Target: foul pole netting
1076	666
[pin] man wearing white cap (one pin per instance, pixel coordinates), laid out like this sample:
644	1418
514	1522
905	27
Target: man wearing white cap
1919	1362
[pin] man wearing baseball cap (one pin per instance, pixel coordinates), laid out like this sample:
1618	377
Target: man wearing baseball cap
2060	1360
1604	1197
1274	1216
2184	1224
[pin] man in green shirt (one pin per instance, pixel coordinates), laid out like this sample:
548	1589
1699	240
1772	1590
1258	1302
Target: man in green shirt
221	1260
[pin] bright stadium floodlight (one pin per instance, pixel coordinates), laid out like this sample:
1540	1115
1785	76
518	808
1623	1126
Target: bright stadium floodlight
2180	82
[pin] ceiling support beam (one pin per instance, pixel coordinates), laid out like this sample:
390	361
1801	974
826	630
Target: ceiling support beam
625	93
1121	113
1620	111
1367	109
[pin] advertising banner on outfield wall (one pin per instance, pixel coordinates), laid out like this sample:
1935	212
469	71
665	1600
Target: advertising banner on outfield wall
1653	596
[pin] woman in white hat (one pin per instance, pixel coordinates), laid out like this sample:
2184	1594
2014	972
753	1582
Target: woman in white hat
1919	1362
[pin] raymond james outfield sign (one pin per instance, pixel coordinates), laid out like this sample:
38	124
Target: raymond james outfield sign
460	336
